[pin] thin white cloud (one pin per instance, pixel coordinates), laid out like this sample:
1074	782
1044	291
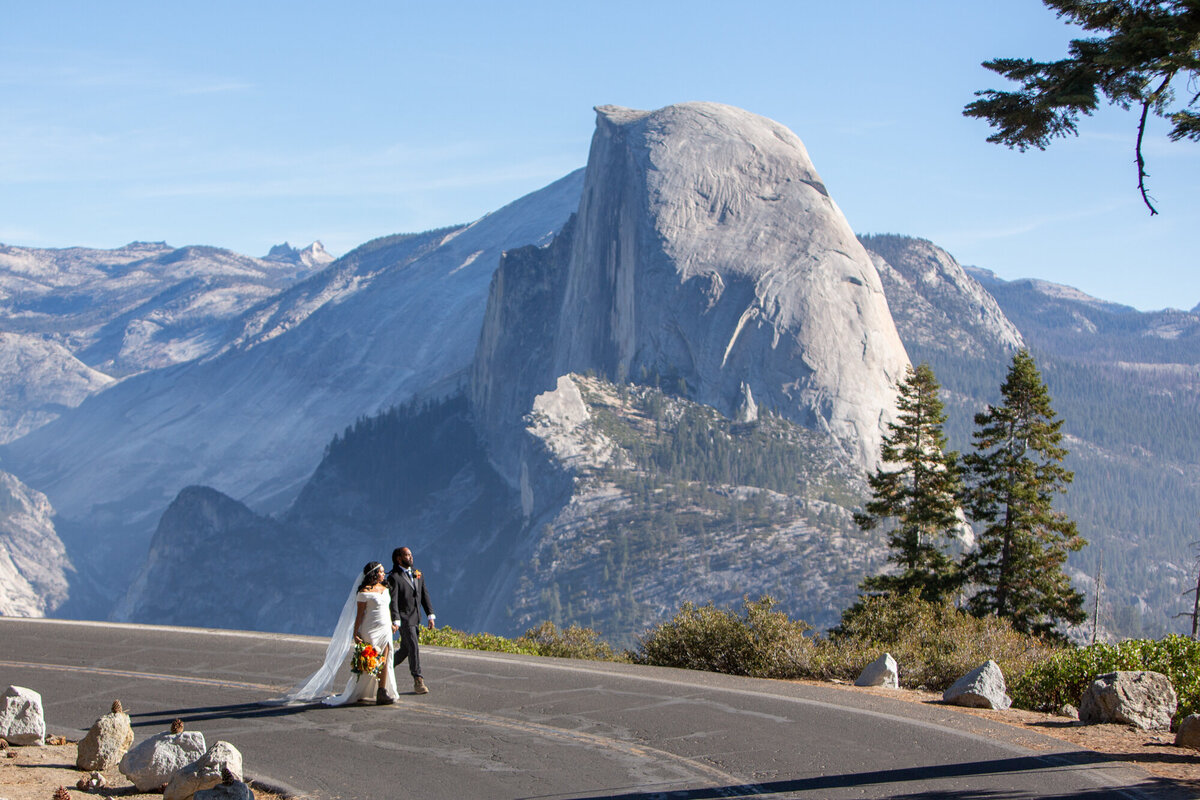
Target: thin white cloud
1022	227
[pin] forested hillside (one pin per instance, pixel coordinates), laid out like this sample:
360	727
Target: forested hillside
683	505
692	506
1127	384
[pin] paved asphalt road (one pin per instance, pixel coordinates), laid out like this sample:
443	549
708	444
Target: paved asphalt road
499	726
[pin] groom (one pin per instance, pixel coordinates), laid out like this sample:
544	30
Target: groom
407	587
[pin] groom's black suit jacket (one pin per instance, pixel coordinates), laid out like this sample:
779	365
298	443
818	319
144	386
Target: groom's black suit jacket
407	599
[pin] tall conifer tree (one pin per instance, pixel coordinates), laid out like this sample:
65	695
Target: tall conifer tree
1015	472
918	486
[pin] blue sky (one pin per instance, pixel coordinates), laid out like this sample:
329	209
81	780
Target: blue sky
246	124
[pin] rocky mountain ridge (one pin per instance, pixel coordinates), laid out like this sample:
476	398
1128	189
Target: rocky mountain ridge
777	309
76	320
1127	386
139	307
706	251
513	363
39	379
396	316
313	256
937	302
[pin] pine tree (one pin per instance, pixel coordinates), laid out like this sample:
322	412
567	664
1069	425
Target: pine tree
918	486
1148	50
1015	472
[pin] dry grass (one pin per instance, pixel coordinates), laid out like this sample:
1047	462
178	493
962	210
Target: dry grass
36	772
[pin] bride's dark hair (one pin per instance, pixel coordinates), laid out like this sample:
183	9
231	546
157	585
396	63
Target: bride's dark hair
369	574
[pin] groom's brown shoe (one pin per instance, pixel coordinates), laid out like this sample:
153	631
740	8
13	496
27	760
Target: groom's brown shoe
419	685
382	698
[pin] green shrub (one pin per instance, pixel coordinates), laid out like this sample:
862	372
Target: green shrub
762	642
1065	676
446	636
934	644
544	640
574	642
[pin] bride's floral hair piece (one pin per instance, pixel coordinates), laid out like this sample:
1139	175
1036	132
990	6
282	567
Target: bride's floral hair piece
368	571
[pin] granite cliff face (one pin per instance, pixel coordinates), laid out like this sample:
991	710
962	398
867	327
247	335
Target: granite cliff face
214	561
34	567
936	304
706	254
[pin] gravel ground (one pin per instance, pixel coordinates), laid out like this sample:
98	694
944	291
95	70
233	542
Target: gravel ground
36	772
1153	751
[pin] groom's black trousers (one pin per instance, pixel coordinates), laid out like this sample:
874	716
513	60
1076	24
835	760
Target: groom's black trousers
408	648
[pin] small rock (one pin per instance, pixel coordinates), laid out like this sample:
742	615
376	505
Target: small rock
1067	710
150	765
1144	699
883	671
21	719
205	772
747	409
109	738
237	790
1188	734
982	687
92	783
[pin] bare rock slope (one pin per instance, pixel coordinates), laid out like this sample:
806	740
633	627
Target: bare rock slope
33	560
707	253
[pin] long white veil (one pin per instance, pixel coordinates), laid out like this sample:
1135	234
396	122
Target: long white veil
317	686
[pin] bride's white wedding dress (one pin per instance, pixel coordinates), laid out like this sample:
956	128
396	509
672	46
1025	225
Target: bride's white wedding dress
376	628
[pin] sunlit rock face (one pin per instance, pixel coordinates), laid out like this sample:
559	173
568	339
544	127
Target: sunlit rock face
33	560
706	254
935	303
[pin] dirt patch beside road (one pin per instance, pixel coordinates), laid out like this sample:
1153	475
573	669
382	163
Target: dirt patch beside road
1153	751
35	772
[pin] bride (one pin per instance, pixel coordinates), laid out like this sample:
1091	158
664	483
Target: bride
366	617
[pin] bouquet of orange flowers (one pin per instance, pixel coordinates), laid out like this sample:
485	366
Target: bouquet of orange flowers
366	660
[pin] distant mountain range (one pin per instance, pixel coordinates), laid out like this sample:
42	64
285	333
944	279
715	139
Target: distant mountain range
658	379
